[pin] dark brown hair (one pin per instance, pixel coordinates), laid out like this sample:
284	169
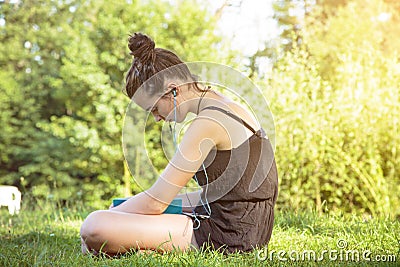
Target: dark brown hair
147	61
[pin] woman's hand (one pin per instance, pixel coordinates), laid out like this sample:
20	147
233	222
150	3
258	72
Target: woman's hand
142	203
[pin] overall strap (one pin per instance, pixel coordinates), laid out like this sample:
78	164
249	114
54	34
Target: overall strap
233	116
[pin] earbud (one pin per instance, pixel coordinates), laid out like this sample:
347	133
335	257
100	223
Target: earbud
174	92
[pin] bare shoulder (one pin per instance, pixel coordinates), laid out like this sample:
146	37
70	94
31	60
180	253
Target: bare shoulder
208	125
220	123
231	107
203	135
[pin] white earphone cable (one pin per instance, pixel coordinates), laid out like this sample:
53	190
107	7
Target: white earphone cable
206	206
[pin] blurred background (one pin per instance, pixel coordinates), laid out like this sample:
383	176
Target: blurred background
330	71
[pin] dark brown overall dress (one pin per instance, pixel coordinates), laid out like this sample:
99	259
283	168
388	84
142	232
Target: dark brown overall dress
241	192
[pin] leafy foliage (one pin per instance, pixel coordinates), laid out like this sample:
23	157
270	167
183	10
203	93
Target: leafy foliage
336	104
62	72
333	92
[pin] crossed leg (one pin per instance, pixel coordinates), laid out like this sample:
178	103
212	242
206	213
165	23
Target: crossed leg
114	232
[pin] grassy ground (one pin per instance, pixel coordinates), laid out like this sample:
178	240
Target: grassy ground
50	237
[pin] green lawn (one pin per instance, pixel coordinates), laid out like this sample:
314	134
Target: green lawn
50	237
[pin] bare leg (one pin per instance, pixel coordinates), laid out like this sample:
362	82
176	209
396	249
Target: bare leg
115	232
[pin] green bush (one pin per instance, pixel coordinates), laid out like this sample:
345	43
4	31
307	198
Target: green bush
336	109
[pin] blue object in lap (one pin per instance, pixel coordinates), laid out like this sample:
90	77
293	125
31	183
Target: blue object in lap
175	207
118	201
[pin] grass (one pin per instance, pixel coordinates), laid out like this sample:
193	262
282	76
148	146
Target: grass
50	237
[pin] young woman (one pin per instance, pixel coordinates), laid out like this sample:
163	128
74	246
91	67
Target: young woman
224	149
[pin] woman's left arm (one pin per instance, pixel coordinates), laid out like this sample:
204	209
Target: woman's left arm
202	134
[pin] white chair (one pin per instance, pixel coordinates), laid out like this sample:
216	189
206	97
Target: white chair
10	196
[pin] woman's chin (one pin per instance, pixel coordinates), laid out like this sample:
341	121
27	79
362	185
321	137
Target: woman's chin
179	120
171	120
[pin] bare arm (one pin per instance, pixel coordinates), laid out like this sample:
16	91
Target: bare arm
189	200
201	135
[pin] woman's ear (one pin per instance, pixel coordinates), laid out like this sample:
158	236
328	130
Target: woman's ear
173	89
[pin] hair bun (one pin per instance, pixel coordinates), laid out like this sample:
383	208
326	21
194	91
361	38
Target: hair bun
142	47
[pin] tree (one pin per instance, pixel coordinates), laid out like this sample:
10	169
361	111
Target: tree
336	97
62	70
